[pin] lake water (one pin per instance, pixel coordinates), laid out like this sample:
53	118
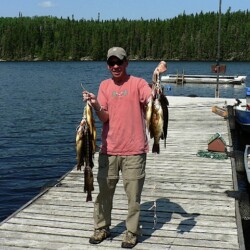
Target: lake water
41	106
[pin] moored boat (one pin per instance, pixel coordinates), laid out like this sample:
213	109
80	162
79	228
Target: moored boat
223	79
242	112
247	161
242	116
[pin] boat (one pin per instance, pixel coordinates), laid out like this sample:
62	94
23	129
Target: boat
247	161
223	79
242	116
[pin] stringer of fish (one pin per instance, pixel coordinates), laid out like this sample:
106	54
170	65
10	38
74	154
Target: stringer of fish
157	120
85	148
157	116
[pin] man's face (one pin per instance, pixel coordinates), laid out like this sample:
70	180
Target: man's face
117	67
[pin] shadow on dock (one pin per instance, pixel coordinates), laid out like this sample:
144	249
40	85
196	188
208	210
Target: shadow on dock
156	214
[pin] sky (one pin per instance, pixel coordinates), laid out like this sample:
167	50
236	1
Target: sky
116	9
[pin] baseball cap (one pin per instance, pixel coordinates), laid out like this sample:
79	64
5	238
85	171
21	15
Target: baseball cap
117	52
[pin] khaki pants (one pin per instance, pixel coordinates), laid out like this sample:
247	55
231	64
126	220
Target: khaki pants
133	173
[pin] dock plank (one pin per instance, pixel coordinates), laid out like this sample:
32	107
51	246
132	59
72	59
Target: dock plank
193	210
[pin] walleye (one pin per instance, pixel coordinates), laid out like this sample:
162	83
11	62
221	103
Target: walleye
85	148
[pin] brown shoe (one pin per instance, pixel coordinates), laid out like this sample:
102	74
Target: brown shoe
99	235
129	240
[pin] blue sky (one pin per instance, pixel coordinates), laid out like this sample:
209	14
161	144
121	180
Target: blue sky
113	9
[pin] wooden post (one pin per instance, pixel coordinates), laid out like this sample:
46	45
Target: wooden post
231	116
182	80
218	53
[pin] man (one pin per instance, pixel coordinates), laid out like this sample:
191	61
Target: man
120	105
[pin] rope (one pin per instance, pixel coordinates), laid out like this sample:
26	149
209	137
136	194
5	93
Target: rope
154	205
212	155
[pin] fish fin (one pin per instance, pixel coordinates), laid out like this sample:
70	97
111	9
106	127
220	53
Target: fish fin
156	148
164	137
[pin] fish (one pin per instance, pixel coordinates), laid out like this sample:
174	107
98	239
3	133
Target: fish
149	113
91	124
156	125
85	148
164	104
88	182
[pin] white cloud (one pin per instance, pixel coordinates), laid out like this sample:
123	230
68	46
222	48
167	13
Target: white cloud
46	4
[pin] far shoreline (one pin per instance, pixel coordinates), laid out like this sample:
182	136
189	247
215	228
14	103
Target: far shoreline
130	59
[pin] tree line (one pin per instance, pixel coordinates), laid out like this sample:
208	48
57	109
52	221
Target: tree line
185	37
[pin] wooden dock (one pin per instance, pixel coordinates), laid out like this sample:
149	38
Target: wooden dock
193	210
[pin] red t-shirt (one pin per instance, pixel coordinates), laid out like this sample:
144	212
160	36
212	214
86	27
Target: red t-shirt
125	131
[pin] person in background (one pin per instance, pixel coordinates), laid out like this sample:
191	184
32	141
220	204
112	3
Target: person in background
120	105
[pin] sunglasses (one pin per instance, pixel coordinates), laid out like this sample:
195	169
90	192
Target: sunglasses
115	62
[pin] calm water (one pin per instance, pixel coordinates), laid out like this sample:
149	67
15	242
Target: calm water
41	106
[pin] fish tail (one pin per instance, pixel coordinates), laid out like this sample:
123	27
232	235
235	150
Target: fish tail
89	197
88	182
156	148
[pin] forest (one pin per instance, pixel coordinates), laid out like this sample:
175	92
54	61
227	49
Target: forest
185	37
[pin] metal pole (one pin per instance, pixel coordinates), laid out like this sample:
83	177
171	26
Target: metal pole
218	53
